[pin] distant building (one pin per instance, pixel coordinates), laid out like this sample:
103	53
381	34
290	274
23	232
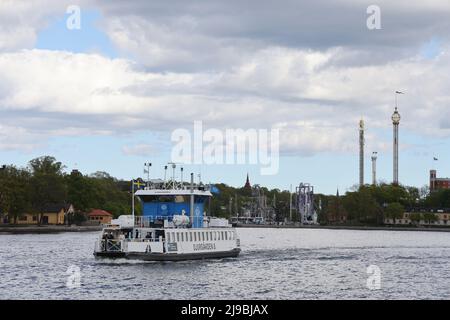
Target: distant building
69	208
247	183
100	216
54	214
442	218
438	183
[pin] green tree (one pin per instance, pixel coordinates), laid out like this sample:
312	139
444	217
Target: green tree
430	217
416	217
47	185
111	194
395	211
81	191
14	195
361	207
438	199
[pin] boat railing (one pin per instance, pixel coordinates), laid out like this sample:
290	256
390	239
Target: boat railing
147	221
146	240
109	245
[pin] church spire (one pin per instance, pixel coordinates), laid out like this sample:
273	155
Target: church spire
247	183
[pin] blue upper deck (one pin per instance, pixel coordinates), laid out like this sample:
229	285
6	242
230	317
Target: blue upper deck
163	204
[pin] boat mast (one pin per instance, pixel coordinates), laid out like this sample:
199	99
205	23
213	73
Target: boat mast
192	199
132	198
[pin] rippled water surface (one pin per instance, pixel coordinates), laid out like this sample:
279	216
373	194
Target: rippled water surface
274	264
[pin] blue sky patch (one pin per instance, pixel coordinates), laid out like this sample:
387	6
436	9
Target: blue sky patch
88	39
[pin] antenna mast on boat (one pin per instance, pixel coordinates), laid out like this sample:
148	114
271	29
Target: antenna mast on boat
132	198
147	166
174	165
165	175
182	178
192	200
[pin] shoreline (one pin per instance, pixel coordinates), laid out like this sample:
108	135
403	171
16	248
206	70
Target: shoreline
46	229
59	229
362	228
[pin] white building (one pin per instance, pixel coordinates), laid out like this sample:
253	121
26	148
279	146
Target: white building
441	219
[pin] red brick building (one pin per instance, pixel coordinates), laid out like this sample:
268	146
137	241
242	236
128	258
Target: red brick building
438	183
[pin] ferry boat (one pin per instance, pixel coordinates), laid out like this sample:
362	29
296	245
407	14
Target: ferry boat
173	226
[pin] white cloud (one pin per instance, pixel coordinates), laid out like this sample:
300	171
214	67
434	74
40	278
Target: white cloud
316	105
20	21
230	66
19	138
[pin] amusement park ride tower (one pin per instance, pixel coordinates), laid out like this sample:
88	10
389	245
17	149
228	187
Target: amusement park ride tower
361	153
396	123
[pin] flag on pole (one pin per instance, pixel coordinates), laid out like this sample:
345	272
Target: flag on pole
435	159
139	183
399	92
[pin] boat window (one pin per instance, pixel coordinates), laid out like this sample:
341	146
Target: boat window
182	236
226	235
168	236
215	235
203	236
190	236
187	237
222	237
178	237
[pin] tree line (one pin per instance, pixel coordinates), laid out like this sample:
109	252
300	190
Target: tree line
371	204
43	182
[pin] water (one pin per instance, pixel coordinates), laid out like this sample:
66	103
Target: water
274	264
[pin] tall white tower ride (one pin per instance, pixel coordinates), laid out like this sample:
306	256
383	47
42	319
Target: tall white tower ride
361	152
396	123
374	168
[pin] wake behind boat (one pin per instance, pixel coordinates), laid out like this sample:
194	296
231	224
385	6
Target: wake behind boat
172	227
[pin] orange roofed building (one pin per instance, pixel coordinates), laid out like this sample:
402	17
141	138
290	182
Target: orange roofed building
100	216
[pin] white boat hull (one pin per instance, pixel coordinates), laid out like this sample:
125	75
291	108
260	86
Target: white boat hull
177	244
172	256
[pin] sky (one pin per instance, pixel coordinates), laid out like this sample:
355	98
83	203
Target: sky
109	95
